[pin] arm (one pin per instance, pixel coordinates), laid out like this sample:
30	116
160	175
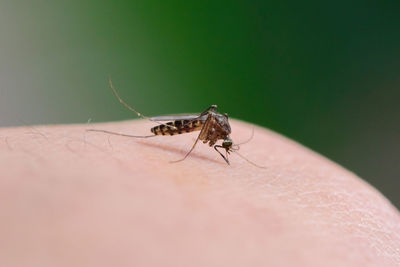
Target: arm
76	198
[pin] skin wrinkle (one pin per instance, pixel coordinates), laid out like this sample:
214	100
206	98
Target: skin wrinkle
35	131
368	225
302	210
347	210
7	143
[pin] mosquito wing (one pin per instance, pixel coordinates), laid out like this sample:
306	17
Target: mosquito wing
188	117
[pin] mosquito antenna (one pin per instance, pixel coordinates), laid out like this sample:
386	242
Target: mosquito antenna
249	161
120	134
131	108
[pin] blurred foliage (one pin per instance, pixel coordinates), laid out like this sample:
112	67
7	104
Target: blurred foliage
322	73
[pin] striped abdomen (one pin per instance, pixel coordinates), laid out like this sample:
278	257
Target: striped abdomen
181	126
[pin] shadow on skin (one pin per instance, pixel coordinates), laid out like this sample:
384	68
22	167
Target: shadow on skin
193	154
147	142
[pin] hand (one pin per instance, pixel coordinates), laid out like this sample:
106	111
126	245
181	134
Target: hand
76	198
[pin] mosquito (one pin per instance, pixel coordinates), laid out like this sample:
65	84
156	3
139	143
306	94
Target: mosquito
213	126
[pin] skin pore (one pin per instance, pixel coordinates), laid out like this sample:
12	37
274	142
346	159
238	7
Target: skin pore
75	198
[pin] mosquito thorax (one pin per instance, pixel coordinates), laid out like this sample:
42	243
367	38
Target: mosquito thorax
223	123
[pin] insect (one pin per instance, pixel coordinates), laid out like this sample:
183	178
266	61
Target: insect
213	126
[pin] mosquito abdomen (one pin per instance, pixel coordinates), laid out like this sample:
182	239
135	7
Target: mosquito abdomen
177	127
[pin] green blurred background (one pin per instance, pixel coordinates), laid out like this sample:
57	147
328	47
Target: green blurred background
323	73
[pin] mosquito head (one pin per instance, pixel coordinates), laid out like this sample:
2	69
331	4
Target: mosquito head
227	143
229	146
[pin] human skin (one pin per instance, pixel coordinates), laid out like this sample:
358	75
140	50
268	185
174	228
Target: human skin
69	197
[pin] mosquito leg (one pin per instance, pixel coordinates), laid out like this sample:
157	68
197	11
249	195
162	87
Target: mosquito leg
225	158
249	161
187	154
204	129
120	134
